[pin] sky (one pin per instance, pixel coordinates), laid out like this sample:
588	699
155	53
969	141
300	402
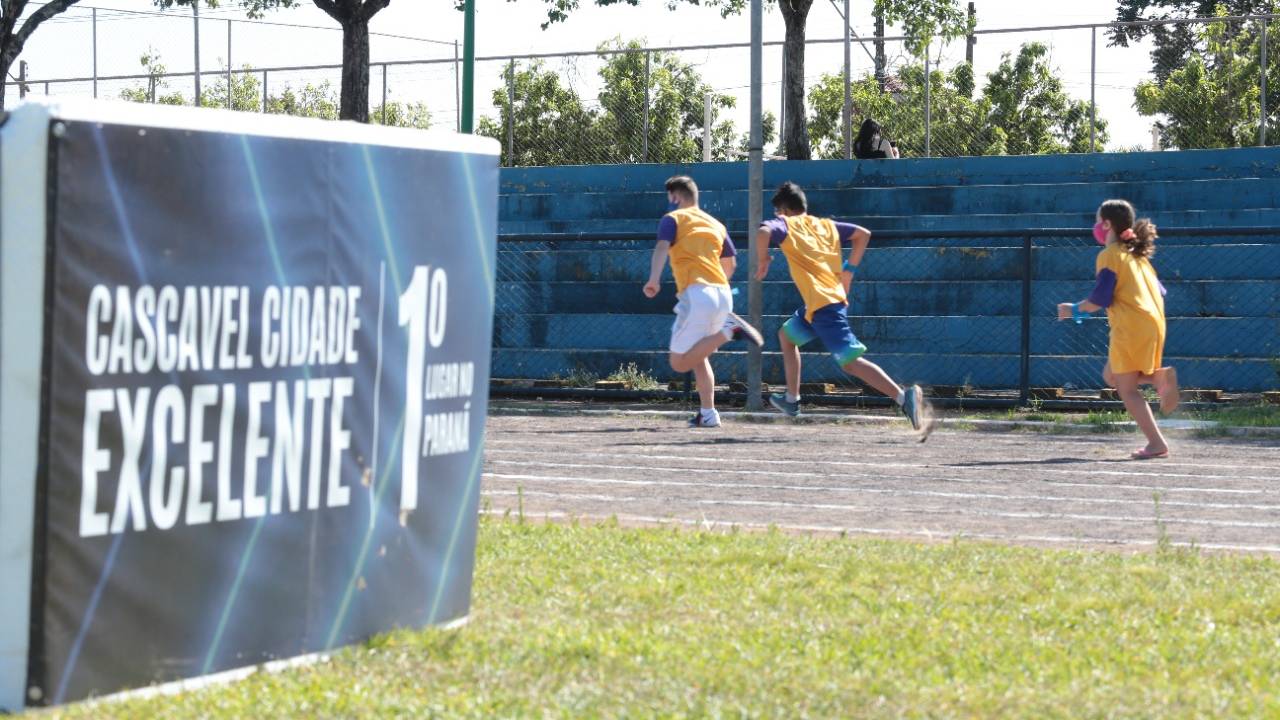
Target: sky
427	29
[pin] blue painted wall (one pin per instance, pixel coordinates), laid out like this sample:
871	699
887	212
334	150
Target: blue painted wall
933	310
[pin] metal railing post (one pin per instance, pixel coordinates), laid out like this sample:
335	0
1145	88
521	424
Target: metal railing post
707	119
384	93
230	106
644	144
1262	122
195	19
457	87
755	204
847	111
1093	91
511	114
95	53
1024	375
928	108
265	95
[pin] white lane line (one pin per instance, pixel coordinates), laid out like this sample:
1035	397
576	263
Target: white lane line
875	508
503	442
871	465
711	524
892	492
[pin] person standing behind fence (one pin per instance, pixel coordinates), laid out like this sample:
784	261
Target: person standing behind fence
812	247
703	259
871	143
1127	286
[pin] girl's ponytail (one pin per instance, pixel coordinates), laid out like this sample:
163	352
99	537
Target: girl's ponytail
1144	238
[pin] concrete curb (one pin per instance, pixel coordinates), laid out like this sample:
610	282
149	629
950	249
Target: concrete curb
1175	428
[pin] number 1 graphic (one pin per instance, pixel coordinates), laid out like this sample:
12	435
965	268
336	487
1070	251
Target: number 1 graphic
413	313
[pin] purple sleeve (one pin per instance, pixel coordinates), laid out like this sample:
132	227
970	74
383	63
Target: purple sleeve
777	228
728	250
667	229
1104	291
846	231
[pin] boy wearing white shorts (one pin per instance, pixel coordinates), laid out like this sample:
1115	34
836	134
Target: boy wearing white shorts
703	259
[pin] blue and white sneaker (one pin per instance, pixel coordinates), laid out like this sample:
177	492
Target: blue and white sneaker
702	421
914	408
779	401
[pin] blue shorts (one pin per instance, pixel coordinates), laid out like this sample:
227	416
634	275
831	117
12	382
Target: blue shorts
830	325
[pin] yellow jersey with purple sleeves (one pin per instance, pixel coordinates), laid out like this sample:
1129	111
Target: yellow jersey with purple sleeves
812	248
1127	286
697	244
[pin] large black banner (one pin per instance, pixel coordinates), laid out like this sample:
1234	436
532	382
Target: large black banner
267	372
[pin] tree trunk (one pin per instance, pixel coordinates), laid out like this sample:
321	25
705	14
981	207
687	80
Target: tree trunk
6	62
354	104
795	135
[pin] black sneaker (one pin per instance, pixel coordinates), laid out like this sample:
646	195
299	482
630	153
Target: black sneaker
742	331
779	401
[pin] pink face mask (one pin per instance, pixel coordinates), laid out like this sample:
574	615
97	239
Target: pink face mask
1100	233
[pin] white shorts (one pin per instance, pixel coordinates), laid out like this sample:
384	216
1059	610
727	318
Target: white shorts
701	311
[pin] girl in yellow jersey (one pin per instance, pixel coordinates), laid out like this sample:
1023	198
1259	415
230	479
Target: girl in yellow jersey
1128	288
813	247
703	259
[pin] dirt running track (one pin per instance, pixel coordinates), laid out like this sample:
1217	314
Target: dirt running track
875	480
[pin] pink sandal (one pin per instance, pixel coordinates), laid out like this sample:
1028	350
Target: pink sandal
1144	454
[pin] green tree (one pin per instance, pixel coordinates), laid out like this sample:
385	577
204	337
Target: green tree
920	20
1029	104
1214	99
354	17
14	36
397	114
552	125
246	92
960	124
313	101
155	90
1177	43
676	97
1022	110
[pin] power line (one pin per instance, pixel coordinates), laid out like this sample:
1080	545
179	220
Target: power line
114	14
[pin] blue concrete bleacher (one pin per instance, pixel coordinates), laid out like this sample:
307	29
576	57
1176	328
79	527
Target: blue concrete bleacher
940	310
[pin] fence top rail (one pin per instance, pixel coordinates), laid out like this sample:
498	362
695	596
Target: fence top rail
1242	231
672	48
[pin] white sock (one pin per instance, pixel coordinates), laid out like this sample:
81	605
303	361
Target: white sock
710	414
793	398
902	397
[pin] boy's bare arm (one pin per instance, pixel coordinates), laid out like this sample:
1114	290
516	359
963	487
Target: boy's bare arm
656	263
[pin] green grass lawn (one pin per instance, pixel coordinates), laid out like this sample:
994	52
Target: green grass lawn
602	621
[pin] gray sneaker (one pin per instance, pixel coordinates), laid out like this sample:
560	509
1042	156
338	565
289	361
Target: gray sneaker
913	407
779	401
918	412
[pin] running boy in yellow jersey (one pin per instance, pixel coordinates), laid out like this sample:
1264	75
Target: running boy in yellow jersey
703	259
812	247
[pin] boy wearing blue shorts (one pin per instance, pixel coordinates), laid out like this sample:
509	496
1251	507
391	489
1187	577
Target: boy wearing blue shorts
813	247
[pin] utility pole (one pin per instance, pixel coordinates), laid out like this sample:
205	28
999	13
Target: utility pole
971	39
22	79
468	66
195	18
755	205
847	112
881	62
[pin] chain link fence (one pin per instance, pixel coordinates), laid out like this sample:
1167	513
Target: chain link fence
971	315
1178	85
